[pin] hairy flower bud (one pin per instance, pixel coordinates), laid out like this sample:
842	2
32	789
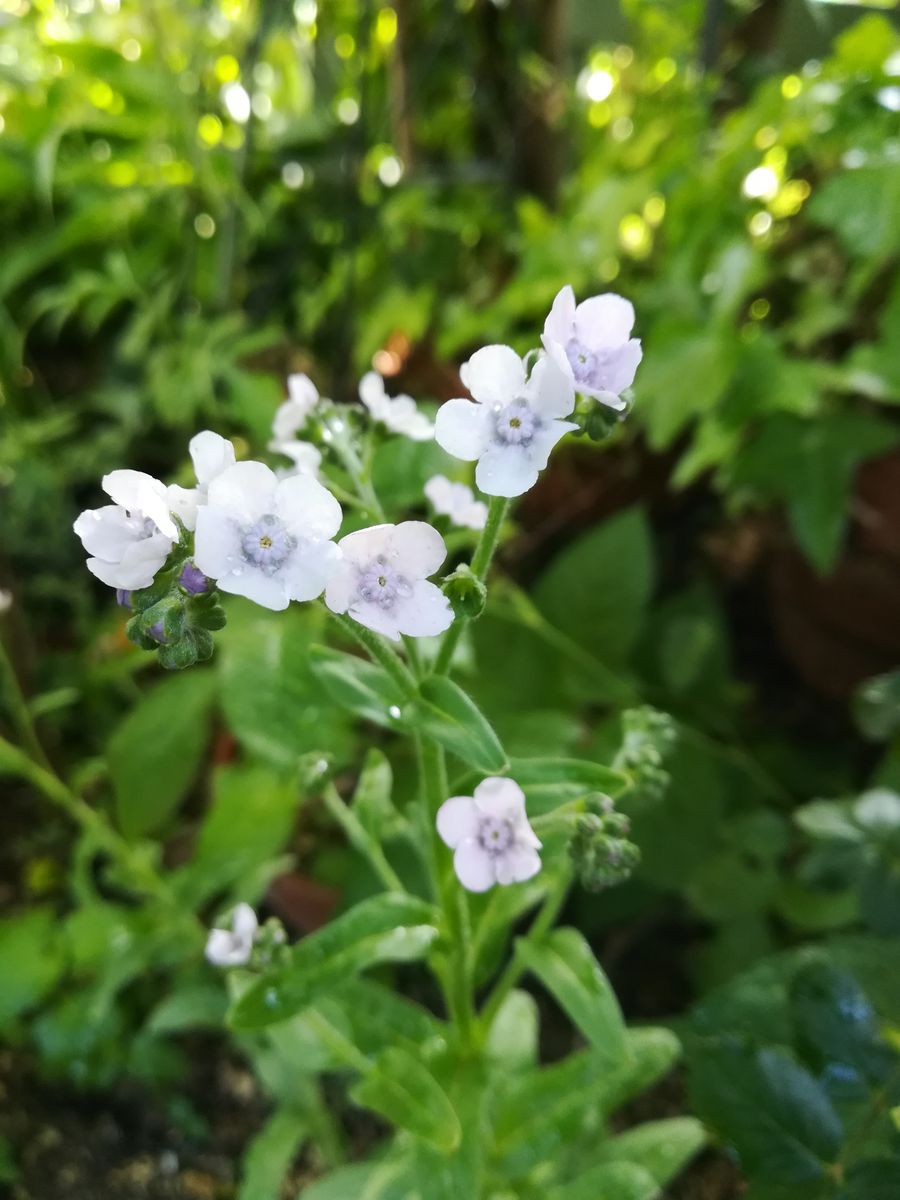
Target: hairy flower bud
193	580
648	739
465	591
600	851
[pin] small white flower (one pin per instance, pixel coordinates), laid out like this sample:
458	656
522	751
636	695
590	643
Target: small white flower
233	947
399	414
489	835
303	396
6	601
382	580
514	423
306	458
456	501
265	538
211	455
593	344
130	539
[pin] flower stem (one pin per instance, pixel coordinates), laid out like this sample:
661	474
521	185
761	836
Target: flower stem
379	651
340	1045
19	710
360	838
481	561
514	969
353	465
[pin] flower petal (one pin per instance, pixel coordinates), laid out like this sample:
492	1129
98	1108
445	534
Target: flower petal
141	493
245	491
505	471
224	950
269	591
303	393
605	320
474	867
494	375
499	797
517	864
210	454
544	441
550	391
416	549
373	616
341	586
372	393
138	566
307	508
106	532
561	318
243	921
462	428
426	613
361	546
217	543
310	569
457	819
184	503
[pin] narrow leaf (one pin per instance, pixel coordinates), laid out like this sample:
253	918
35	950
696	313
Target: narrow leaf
447	714
401	1089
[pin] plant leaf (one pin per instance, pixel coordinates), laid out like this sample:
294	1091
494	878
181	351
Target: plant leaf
447	714
404	1091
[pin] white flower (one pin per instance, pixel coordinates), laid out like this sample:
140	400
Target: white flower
233	947
381	581
130	539
456	501
306	458
593	344
6	601
303	396
489	835
515	422
265	538
211	455
399	415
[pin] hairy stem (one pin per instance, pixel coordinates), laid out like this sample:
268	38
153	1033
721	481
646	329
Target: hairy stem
379	650
360	838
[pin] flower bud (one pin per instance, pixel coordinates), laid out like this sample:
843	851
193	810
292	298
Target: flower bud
601	855
123	597
465	591
193	580
648	739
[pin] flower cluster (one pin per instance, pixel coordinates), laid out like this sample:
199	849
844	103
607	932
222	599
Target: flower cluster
600	850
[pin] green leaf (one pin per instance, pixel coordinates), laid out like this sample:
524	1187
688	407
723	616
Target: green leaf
200	1006
512	1040
404	1091
386	928
379	1017
272	701
372	798
357	685
779	1119
364	1181
270	1154
248	822
567	967
550	782
861	207
447	714
662	1148
876	707
613	1181
33	960
597	589
155	753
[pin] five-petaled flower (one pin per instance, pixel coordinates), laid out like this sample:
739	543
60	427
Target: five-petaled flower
382	580
456	501
514	423
489	834
265	538
398	414
211	455
233	947
130	539
592	343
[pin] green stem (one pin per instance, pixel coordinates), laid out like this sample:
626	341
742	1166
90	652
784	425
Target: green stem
380	651
360	838
355	468
19	710
340	1045
481	561
514	969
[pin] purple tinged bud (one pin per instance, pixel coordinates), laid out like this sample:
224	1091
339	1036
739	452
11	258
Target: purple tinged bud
193	580
123	597
158	633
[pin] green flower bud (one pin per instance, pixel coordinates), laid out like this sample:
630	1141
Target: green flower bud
465	591
601	853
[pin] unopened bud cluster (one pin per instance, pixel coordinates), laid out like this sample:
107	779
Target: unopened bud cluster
649	736
601	852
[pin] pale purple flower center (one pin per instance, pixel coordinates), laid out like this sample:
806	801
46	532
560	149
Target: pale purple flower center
516	424
267	544
382	584
589	367
495	835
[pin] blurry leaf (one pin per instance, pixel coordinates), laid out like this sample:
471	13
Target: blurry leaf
366	1181
773	1111
404	1091
661	1148
512	1040
357	685
33	959
379	1017
155	753
566	965
201	1006
386	928
861	207
876	706
271	698
596	590
372	797
810	465
682	378
270	1154
402	467
447	714
248	822
613	1181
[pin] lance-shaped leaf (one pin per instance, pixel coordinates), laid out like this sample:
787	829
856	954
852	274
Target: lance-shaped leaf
446	713
403	1090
